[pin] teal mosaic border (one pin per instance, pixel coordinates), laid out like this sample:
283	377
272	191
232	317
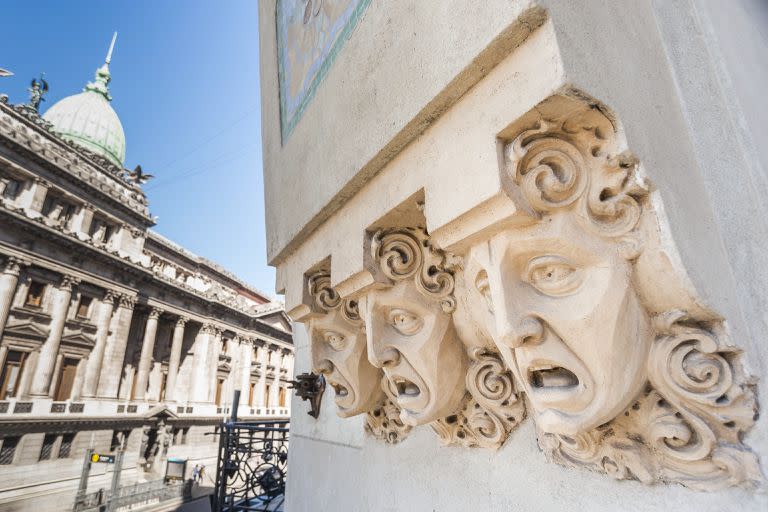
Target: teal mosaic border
287	125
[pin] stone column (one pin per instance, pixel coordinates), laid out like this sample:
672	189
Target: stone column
274	360
200	364
261	388
246	352
147	349
287	363
43	375
213	367
175	359
114	353
56	370
9	279
95	359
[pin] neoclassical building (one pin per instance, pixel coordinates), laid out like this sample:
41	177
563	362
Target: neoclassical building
110	334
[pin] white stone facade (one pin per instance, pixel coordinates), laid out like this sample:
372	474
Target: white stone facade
110	333
521	255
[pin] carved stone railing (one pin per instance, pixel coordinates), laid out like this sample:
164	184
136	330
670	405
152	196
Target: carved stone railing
135	496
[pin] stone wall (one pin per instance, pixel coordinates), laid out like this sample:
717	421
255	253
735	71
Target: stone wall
550	187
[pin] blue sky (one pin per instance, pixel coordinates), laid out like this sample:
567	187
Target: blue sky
185	83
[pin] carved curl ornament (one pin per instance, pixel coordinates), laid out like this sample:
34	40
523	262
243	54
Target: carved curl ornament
616	380
693	401
406	253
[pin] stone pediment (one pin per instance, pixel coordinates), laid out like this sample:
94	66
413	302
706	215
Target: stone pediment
160	411
27	329
78	337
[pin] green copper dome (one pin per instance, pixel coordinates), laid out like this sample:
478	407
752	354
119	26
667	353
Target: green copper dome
88	120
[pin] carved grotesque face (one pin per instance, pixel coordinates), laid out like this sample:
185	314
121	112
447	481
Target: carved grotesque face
414	341
568	320
339	353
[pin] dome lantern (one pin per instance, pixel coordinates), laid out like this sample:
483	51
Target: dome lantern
88	119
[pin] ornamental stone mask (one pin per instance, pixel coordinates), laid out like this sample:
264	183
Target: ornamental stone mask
626	373
410	330
338	348
568	322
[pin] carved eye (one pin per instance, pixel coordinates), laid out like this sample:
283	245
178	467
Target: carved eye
553	275
334	339
405	322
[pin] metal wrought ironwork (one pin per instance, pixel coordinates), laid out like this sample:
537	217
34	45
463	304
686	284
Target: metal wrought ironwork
310	387
252	466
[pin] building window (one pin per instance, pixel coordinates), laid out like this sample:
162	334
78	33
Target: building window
47	450
11	188
35	294
84	307
100	231
219	387
251	392
8	450
282	397
11	374
119	438
269	394
66	445
66	379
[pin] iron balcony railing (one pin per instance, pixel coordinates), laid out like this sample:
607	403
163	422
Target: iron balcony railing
252	465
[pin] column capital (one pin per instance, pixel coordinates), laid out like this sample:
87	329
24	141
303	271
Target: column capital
210	329
110	296
68	281
285	351
13	265
127	301
273	347
155	313
181	321
259	343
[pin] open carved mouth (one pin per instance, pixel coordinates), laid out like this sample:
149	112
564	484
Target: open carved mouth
405	388
341	390
552	377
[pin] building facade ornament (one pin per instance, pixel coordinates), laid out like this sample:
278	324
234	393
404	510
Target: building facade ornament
338	350
126	301
618	380
384	423
68	281
13	265
577	306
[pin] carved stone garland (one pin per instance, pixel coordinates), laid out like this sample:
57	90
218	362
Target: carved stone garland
384	424
490	410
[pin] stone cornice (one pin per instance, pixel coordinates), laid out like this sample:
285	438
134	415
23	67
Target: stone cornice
134	269
75	164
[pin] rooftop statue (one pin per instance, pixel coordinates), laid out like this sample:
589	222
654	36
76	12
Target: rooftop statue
36	92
